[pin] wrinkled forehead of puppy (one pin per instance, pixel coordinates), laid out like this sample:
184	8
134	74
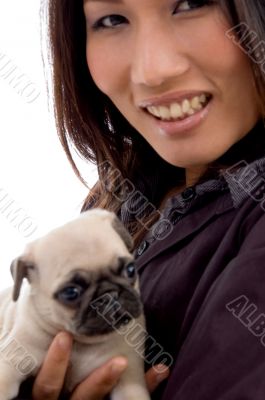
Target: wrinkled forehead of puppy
95	241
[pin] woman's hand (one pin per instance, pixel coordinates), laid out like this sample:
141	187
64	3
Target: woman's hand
49	382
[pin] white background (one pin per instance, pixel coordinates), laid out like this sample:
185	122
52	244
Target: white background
34	172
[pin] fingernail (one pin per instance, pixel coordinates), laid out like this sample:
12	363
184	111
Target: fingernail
64	341
161	369
163	373
118	367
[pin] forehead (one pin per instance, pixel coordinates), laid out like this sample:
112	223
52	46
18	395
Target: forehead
80	246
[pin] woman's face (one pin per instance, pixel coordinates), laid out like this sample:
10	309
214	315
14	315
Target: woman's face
172	72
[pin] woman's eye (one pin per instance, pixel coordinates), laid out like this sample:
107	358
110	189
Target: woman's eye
110	21
187	5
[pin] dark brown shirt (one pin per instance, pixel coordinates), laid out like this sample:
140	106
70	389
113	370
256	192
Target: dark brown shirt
203	289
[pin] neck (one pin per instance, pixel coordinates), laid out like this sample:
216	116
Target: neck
193	174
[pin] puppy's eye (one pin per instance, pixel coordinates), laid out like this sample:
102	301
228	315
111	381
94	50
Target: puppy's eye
130	270
70	294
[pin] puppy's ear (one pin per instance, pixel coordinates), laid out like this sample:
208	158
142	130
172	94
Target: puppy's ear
122	231
19	270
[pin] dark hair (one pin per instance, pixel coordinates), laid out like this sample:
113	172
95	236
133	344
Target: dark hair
87	120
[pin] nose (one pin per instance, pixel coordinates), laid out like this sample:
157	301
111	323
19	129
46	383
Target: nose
158	57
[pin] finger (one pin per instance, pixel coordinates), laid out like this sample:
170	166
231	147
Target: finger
50	379
155	375
101	381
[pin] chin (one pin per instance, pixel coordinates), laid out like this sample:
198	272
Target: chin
194	160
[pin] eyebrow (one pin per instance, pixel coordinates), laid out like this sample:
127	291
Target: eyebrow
103	1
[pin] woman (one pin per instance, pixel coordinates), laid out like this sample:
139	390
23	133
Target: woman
167	98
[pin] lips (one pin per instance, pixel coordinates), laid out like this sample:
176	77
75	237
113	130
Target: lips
177	126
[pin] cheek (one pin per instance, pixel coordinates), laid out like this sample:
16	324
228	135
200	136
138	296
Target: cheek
215	53
96	61
234	79
226	65
105	67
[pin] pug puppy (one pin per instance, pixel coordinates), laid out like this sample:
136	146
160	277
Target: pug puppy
81	279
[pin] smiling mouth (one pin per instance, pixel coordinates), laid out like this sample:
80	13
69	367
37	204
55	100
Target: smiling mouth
179	111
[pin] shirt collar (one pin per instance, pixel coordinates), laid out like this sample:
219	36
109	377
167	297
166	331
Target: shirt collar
239	180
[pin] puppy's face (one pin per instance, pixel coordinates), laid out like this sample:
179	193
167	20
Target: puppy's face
82	275
100	301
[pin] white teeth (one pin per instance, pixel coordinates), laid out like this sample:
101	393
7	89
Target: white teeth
177	110
155	111
185	106
202	98
164	112
195	103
